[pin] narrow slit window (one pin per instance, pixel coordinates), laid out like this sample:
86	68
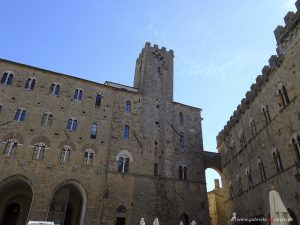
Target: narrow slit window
94	127
128	107
98	100
126	132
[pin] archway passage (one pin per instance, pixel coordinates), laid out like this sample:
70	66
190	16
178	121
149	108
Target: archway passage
66	206
15	201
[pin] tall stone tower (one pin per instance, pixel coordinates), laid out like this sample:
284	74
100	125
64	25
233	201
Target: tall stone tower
164	132
154	72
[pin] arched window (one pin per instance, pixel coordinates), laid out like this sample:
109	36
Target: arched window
20	115
182	172
72	124
39	151
10	146
88	157
261	170
47	119
126	132
249	177
65	154
128	107
155	170
181	141
121	209
252	126
54	89
240	184
7	78
123	159
242	138
277	160
30	83
98	100
123	164
266	114
94	130
296	146
283	98
180	118
78	94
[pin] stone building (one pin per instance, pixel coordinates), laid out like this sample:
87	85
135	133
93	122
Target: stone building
78	152
216	205
260	144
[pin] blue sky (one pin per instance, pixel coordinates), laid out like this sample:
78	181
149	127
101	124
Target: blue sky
220	46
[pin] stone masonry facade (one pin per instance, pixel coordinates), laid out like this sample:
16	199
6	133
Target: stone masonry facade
79	152
260	144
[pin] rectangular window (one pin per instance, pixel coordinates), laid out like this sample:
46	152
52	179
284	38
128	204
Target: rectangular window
98	100
94	131
126	132
181	141
180	173
65	155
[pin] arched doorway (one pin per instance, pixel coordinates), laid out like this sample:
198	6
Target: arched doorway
184	219
68	205
16	197
121	215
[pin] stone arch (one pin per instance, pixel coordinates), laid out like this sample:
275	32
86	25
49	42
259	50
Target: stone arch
41	139
14	135
212	160
124	153
65	143
76	193
89	146
16	194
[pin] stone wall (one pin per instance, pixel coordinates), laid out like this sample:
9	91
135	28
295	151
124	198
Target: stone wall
154	133
249	140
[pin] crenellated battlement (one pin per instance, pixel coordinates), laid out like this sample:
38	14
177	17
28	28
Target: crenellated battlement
285	37
261	80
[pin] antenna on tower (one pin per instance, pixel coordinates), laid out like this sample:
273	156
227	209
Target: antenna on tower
163	40
156	37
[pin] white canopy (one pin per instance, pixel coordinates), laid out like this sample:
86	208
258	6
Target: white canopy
279	214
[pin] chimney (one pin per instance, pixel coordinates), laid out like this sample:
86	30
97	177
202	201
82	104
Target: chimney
217	184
